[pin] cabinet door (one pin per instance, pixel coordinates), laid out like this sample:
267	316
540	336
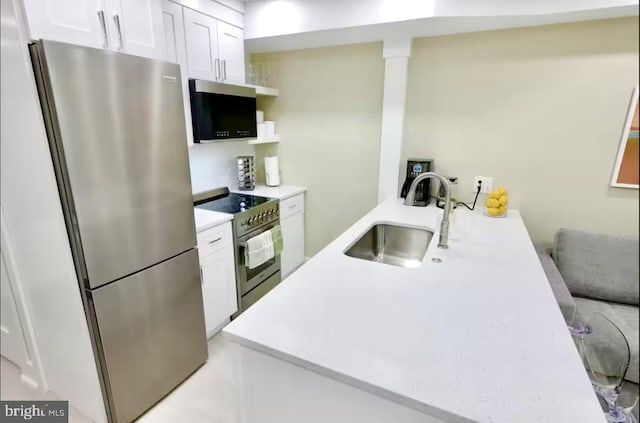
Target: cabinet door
292	243
68	21
218	288
176	52
231	46
202	45
137	27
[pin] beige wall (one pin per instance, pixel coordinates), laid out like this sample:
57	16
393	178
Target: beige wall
539	109
328	116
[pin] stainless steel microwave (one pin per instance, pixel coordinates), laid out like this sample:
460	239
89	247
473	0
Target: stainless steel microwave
222	111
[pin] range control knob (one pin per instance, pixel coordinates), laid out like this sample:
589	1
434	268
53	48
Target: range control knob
250	221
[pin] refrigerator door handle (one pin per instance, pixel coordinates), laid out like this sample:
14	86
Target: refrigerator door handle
103	23
116	19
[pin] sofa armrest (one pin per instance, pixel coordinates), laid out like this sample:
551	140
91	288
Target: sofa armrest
558	285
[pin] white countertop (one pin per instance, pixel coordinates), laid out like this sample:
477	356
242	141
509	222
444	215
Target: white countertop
478	336
281	192
206	219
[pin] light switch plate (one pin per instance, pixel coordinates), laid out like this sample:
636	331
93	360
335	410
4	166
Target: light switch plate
487	183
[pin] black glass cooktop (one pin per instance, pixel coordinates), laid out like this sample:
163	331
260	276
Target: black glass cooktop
233	203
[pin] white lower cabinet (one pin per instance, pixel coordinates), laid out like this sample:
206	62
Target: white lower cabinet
218	274
292	225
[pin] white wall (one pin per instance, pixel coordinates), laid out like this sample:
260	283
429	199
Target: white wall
272	17
213	165
272	25
328	116
37	235
541	110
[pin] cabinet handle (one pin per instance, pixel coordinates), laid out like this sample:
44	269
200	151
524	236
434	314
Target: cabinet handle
292	206
224	70
215	240
116	19
104	28
217	68
201	277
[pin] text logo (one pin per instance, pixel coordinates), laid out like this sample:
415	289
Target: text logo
34	411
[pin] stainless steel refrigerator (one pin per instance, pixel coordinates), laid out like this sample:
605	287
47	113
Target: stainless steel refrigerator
116	131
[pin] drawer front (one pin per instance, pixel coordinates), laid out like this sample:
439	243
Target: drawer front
291	206
213	239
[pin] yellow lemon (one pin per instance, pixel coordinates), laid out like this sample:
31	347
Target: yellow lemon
502	190
492	202
501	210
503	200
493	211
494	194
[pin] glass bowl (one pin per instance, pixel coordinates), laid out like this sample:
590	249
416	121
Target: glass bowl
487	213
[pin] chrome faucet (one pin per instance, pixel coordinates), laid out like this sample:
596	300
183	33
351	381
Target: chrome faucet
444	225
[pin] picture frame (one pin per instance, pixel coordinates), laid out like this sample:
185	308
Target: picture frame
625	170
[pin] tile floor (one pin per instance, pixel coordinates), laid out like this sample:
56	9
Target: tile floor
206	396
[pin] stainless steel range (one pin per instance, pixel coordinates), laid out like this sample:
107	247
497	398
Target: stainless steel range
252	216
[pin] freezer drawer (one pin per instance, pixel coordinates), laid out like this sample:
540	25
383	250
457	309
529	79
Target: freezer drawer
151	328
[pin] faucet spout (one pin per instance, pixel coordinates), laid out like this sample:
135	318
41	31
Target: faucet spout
444	225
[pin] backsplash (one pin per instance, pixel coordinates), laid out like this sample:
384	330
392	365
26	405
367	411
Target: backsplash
212	165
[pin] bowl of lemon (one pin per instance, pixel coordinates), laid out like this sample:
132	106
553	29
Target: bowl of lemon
497	203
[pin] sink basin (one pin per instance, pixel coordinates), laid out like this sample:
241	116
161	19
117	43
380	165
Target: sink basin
392	244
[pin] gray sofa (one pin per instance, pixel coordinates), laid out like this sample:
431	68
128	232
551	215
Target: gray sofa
597	273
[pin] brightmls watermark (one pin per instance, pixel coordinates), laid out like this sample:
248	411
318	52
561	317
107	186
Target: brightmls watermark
34	411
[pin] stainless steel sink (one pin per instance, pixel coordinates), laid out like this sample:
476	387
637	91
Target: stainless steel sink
392	244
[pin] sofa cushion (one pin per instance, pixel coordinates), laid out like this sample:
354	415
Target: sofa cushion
626	318
595	266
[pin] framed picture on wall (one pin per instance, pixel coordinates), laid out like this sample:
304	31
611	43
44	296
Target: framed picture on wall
625	170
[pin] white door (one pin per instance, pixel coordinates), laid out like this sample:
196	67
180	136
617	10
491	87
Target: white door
231	51
218	288
292	243
202	45
136	27
176	51
69	21
12	342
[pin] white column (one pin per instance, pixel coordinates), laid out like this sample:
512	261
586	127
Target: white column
396	54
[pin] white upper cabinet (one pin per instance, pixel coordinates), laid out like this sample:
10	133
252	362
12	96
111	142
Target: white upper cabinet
174	44
231	53
137	27
215	49
202	45
129	26
80	22
176	52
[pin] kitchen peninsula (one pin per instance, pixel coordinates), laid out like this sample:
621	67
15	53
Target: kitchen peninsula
475	336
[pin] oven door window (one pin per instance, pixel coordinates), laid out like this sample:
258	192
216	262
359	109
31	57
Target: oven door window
252	273
250	278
